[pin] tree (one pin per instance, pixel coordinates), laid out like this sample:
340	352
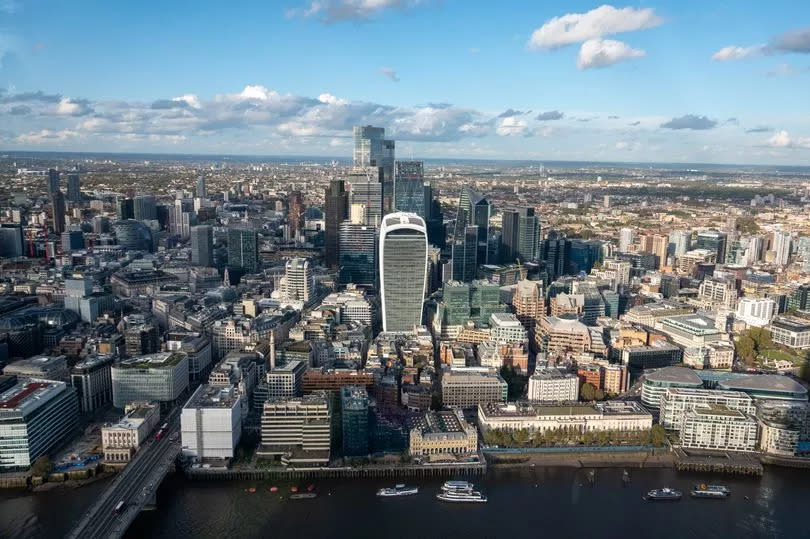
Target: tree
42	466
598	394
746	349
658	436
587	391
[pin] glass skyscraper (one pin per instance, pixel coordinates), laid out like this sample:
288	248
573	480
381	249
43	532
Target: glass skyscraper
337	210
358	250
371	149
202	246
521	235
410	194
403	270
465	255
243	249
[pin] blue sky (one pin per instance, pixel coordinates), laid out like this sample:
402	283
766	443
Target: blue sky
662	81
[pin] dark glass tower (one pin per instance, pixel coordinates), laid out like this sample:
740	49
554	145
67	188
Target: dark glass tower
336	211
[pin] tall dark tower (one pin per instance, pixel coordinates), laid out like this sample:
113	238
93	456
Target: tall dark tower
58	212
337	210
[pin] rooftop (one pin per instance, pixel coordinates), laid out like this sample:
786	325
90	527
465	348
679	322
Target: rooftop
791	323
678	375
207	396
28	395
152	361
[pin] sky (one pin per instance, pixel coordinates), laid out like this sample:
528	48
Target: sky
667	81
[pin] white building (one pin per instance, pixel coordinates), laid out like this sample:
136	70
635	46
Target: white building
121	440
781	248
211	423
285	379
626	238
299	281
297	429
717	427
756	312
553	385
41	367
604	416
790	331
35	417
507	328
676	402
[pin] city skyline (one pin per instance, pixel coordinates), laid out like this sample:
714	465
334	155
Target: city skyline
656	83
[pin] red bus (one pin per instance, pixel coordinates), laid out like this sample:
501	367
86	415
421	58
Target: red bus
159	434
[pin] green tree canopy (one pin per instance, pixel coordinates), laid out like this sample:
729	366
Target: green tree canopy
587	392
42	466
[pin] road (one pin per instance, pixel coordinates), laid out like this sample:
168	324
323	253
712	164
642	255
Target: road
135	486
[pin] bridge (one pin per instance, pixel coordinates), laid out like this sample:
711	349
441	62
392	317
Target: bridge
135	485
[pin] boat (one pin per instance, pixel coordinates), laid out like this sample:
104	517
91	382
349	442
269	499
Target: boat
456	486
663	494
303	496
310	488
626	476
717	492
293	489
461	496
273	489
398	490
592	477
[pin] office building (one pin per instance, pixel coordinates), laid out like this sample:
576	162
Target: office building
198	349
161	377
42	367
74	191
120	441
656	383
505	327
202	192
36	416
680	241
11	241
144	208
358	254
626	238
285	380
780	246
782	425
756	312
410	194
72	240
53	185
299	281
92	380
243	249
142	339
689	330
474	209
562	334
355	421
464	261
202	246
548	384
297	431
790	331
403	271
125	209
366	190
372	149
443	433
467	389
211	423
714	241
521	235
58	212
336	211
133	235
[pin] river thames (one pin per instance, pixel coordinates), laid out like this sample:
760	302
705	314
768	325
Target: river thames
530	502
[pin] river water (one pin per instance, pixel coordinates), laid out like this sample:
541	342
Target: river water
524	503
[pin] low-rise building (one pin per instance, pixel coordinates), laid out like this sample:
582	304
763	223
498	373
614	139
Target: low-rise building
553	385
563	335
690	329
443	433
121	440
656	383
335	379
297	430
285	380
35	417
677	402
782	426
718	427
468	389
791	332
211	423
41	367
620	416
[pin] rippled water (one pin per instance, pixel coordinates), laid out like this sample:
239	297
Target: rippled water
536	502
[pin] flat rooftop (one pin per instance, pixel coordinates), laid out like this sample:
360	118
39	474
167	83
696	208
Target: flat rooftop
678	375
160	360
207	396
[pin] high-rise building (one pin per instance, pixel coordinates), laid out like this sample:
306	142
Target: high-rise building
780	245
358	254
680	241
410	194
366	189
58	212
521	235
125	207
74	192
243	249
161	377
132	234
337	210
182	218
11	241
371	149
202	192
403	271
474	209
53	182
144	208
659	247
714	241
295	213
92	381
300	423
465	255
555	252
72	240
202	246
626	238
299	281
355	415
211	422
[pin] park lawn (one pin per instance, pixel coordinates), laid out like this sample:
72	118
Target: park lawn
779	355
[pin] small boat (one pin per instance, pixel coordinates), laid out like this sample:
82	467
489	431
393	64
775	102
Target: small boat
310	488
664	494
625	476
456	486
252	490
273	489
592	477
303	496
717	492
398	490
470	496
293	489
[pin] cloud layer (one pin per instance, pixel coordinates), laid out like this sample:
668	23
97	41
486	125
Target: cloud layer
332	11
690	121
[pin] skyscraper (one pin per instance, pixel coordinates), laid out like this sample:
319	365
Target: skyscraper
201	191
337	210
243	249
125	208
295	213
53	182
354	418
182	218
410	194
521	235
74	193
403	270
715	241
680	241
371	149
465	254
11	241
144	208
58	211
366	188
299	281
72	240
626	238
202	246
474	209
358	249
781	247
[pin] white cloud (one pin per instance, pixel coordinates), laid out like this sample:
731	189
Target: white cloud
389	73
330	11
782	139
72	107
46	136
733	52
601	21
512	125
329	99
605	52
190	99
